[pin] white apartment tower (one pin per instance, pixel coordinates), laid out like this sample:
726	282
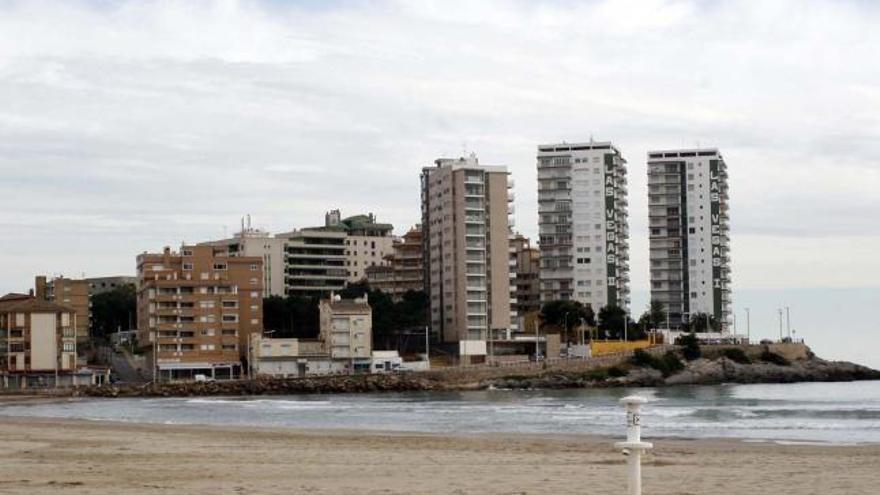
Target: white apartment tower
465	246
582	222
689	234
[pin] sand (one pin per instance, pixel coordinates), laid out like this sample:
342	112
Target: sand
73	457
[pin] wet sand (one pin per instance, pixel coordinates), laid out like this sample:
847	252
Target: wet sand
80	457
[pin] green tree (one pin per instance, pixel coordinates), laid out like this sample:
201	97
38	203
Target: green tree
112	311
612	319
567	315
690	346
703	322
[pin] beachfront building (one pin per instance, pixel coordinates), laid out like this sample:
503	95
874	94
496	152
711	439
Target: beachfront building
403	270
197	309
70	293
347	330
38	345
465	251
582	223
281	357
689	234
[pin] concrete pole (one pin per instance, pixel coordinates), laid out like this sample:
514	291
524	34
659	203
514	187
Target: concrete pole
748	327
633	446
788	322
427	349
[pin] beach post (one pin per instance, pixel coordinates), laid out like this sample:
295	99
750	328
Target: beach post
633	446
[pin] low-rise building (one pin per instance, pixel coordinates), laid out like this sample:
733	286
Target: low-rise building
291	357
197	309
347	330
37	342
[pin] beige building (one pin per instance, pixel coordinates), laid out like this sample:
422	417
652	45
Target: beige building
291	357
37	339
465	244
347	330
71	293
367	242
197	309
525	263
403	269
253	242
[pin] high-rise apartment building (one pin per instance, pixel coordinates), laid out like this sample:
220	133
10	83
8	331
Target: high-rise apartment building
70	293
689	234
582	222
465	245
197	309
403	270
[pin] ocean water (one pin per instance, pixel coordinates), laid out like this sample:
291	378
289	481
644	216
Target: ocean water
842	413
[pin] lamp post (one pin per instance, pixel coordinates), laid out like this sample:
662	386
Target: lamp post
748	327
633	446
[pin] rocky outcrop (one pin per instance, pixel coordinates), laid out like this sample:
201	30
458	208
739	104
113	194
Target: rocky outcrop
723	370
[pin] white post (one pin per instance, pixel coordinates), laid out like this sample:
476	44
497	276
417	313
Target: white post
427	348
633	446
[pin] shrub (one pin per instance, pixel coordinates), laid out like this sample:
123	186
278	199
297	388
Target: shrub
615	372
690	346
737	356
668	365
773	358
672	362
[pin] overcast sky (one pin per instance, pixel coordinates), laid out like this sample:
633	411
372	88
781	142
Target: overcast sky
126	127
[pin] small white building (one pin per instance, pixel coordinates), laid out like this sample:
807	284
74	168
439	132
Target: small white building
386	362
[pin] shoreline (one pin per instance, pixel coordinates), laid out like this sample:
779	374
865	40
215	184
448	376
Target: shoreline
81	456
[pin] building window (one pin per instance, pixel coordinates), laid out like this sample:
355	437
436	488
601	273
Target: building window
187	266
219	266
254	267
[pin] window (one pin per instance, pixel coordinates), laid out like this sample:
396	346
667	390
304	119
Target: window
230	318
254	267
219	266
187	252
68	347
188	266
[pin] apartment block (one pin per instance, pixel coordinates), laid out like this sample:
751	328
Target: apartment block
254	242
367	241
70	293
37	339
100	285
347	331
403	270
197	309
466	250
314	262
583	224
525	260
689	233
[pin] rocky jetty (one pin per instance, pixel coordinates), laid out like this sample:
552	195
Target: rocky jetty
664	366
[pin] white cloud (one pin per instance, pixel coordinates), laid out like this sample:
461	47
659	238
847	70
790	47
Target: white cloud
125	127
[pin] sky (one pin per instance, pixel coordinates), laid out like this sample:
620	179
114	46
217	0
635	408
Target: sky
129	126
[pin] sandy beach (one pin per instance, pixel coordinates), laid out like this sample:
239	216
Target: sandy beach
69	456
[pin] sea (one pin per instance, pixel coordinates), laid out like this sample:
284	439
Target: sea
835	413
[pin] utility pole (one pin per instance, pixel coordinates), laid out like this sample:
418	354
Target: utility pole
748	327
788	322
537	344
625	327
427	348
780	324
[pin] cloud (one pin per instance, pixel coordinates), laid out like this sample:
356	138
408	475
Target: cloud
128	126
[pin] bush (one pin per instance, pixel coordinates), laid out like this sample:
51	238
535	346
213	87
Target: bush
668	365
690	346
737	356
773	358
615	372
672	362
